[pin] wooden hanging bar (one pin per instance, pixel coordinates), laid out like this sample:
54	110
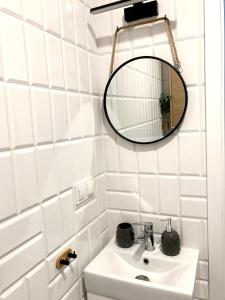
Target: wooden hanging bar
169	32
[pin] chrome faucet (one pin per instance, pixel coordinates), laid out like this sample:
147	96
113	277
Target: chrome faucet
146	236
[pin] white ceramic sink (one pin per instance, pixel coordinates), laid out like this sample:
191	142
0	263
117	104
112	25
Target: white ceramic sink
112	274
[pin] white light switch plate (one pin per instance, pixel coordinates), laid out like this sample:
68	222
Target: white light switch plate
84	190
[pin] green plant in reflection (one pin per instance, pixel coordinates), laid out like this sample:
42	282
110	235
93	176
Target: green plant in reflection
164	101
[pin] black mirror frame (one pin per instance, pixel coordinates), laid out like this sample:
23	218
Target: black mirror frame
105	99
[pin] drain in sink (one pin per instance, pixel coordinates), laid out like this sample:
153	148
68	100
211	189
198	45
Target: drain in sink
142	277
146	261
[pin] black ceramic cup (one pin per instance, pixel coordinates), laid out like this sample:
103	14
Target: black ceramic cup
125	235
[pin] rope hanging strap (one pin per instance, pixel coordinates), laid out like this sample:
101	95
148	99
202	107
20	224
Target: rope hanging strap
169	33
172	45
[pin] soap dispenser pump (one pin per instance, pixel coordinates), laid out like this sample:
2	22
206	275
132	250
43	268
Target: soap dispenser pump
170	240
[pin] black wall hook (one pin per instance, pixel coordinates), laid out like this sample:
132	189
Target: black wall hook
72	255
64	262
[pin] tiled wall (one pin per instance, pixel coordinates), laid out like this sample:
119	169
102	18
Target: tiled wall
133	100
148	183
52	54
50	138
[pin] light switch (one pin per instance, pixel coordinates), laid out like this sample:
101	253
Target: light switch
84	190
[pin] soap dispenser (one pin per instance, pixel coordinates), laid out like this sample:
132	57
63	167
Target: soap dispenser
170	240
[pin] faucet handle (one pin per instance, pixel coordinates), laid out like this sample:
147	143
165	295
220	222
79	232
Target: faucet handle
148	226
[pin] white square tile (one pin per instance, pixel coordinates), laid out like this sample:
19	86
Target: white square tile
21	228
122	57
52	16
80	22
67	20
23	260
84	84
130	217
13	6
99	156
124	42
194	207
115	218
86	214
92	32
159	29
73	293
194	235
65	165
71	74
169	195
190	22
94	63
127	157
101	193
122	201
147	158
201	289
18	100
105	237
52	224
55	62
163	51
122	182
4	132
193	186
189	146
83	249
142	51
141	37
111	154
169	149
94	231
33	11
47	172
83	159
7	193
202	107
191	233
97	116
17	291
1	62
41	112
103	221
203	154
103	67
59	114
74	116
87	115
37	283
195	110
12	37
36	50
26	183
149	194
68	215
191	54
203	270
106	30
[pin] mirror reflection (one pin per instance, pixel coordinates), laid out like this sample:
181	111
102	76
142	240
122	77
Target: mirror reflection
145	99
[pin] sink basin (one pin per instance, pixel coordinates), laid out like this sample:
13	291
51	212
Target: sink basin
136	274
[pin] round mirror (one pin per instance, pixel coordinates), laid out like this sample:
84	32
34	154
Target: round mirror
145	99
